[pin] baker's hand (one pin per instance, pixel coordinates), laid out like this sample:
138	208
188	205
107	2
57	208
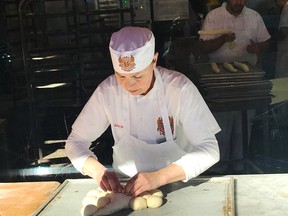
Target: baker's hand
110	181
140	183
228	37
253	48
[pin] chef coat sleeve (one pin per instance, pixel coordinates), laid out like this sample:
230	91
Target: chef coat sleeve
195	133
89	125
262	33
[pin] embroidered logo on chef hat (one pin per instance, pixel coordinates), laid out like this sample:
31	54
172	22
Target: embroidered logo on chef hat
132	49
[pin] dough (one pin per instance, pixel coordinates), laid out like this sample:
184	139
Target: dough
100	202
156	192
118	201
88	210
242	66
145	194
229	67
153	198
154	201
138	203
89	200
215	67
97	193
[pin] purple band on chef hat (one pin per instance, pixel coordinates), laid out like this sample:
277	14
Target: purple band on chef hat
132	49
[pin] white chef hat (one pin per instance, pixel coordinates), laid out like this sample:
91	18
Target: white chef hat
132	49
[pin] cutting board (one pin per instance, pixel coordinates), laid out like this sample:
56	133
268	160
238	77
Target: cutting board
24	198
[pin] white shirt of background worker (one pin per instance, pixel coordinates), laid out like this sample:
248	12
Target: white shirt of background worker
163	130
248	29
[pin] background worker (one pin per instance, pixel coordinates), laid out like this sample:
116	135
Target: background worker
247	30
250	38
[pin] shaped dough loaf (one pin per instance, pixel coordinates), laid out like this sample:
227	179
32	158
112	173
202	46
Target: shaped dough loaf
242	66
229	67
88	210
138	203
118	201
154	201
145	194
148	199
215	67
98	202
156	192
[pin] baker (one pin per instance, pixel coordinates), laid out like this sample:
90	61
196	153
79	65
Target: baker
163	130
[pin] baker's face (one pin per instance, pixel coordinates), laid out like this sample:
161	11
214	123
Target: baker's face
138	83
235	7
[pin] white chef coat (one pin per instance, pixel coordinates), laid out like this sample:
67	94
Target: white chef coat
282	54
193	127
247	26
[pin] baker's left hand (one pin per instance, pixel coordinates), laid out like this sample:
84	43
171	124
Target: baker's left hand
253	48
110	181
140	183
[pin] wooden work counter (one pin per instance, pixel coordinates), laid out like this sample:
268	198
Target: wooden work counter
24	198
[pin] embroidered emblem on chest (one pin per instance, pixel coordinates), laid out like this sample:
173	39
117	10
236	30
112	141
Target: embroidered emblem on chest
160	126
126	63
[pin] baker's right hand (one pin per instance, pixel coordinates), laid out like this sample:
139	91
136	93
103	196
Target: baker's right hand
228	37
110	181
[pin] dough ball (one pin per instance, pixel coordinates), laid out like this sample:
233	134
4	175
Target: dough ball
88	210
156	192
100	202
145	194
89	200
154	201
138	203
96	193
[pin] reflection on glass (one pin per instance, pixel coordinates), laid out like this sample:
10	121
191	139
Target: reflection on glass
49	73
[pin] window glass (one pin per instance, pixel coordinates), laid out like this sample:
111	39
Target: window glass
55	53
